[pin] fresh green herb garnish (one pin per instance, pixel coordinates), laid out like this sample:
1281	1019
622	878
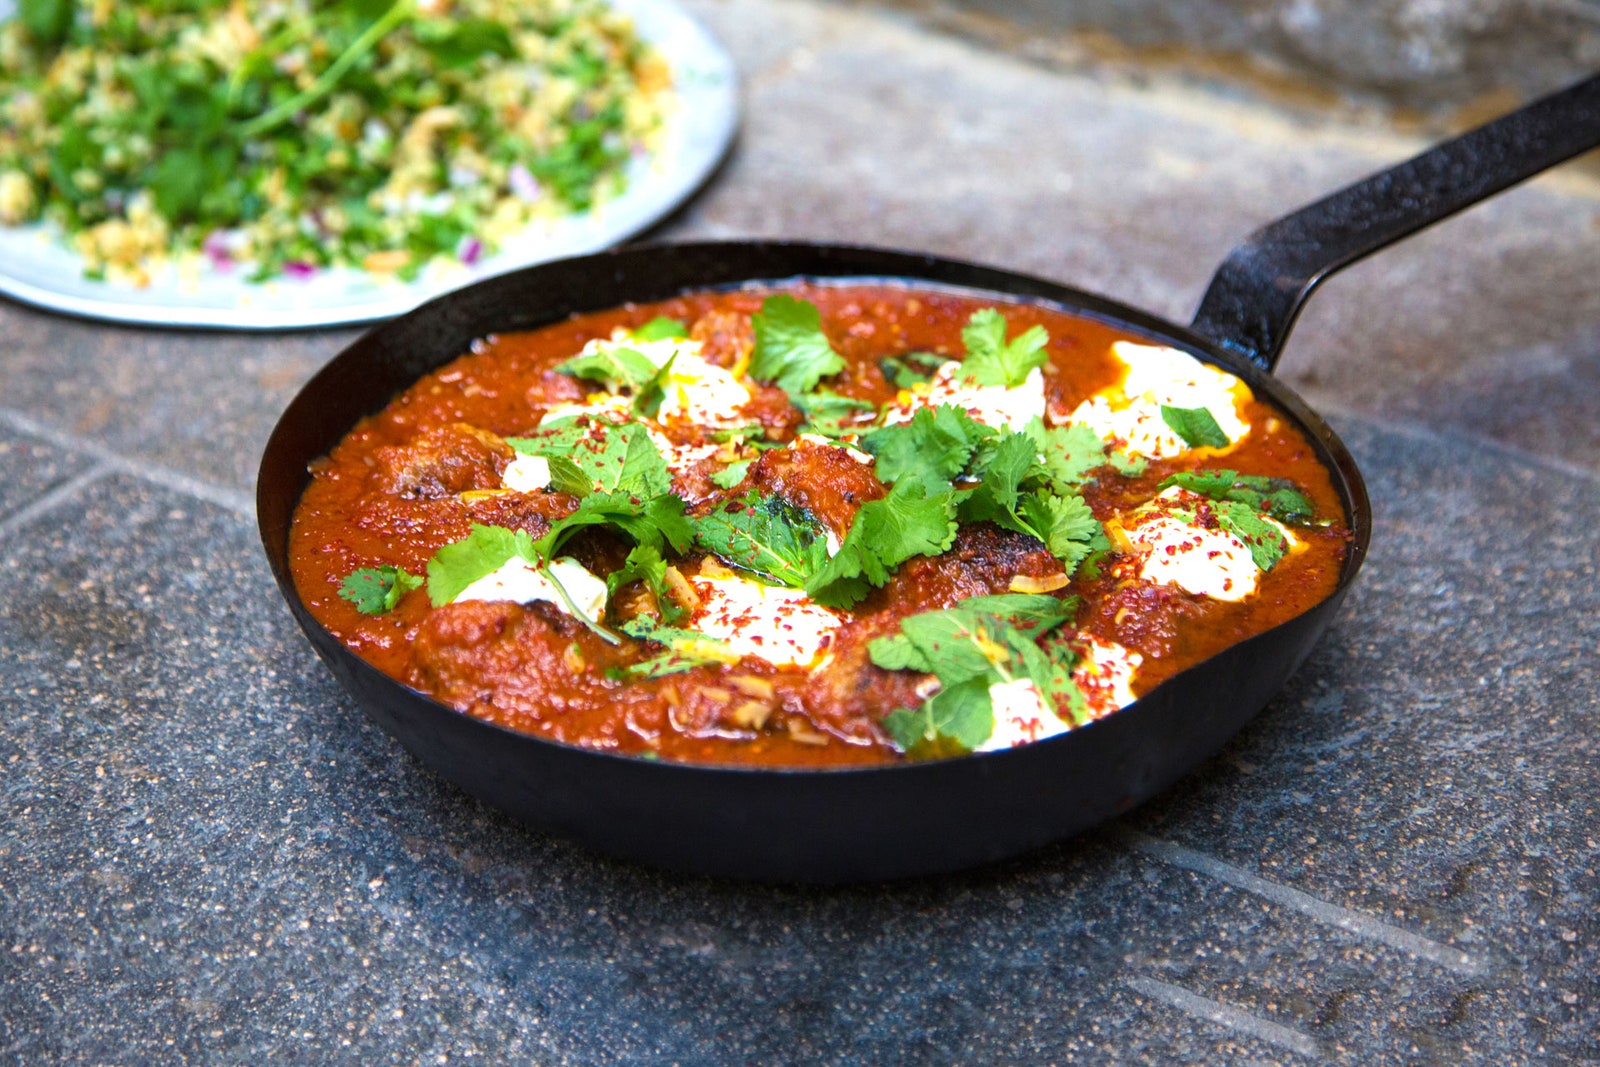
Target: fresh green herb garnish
376	590
908	522
657	521
910	368
292	136
767	536
943	445
686	649
830	414
483	551
979	643
732	474
791	351
934	448
991	360
1196	426
614	458
661	328
1265	541
1063	522
1278	497
1071	453
617	368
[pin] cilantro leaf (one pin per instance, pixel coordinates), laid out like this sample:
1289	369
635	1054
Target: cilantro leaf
970	648
1196	426
482	552
934	448
791	351
1071	453
908	522
661	328
376	590
990	360
1265	541
767	536
1064	523
1278	497
911	368
645	563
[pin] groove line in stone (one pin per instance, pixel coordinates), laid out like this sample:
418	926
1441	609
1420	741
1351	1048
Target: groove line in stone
1223	1014
156	474
1349	920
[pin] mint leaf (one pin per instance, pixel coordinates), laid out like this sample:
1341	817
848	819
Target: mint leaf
766	536
732	474
686	649
990	360
1035	612
612	457
617	368
658	521
908	522
934	447
791	351
1196	426
661	328
482	552
953	721
1278	497
829	413
376	590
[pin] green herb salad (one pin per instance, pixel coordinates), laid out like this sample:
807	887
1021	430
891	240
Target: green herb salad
283	137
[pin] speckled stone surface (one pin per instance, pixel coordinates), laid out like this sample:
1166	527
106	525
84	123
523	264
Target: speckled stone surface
208	856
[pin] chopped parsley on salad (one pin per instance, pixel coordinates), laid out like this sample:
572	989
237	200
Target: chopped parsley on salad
283	137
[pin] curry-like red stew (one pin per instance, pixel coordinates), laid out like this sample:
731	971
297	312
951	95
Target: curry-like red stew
812	526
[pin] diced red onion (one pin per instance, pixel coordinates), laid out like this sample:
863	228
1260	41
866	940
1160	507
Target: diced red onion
299	269
469	249
523	183
215	247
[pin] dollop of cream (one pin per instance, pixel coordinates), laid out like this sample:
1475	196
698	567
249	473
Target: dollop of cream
1128	414
517	579
993	405
780	625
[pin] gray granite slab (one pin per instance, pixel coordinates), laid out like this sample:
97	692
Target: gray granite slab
863	127
30	468
206	855
198	402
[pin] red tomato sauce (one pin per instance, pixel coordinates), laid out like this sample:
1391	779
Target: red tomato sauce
420	473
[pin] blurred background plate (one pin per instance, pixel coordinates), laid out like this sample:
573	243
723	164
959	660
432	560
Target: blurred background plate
37	269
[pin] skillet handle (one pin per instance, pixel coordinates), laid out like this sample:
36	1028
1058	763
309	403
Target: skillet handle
1258	291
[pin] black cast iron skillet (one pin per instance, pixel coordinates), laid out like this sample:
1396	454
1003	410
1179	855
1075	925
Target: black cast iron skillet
915	818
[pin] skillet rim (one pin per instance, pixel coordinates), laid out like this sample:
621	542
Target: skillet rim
1332	452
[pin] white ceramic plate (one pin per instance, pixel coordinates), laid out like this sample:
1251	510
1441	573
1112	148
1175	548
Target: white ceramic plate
37	269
